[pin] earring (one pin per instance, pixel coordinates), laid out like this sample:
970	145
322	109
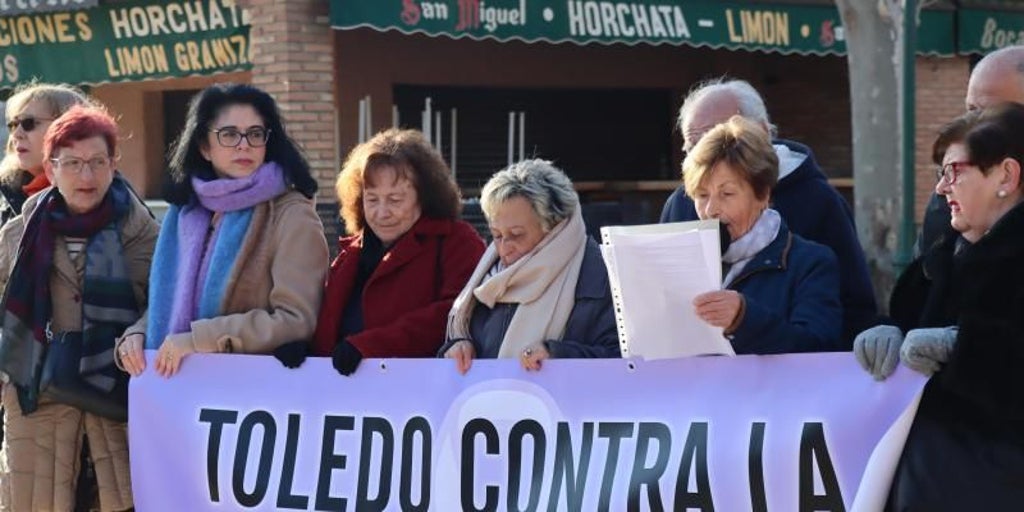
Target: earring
1001	194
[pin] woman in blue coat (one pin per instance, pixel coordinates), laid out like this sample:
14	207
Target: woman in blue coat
780	292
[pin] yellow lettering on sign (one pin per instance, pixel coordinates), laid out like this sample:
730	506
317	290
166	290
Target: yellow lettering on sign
136	60
733	36
84	30
11	68
759	27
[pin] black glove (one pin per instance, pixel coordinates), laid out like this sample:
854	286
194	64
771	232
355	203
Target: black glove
346	357
724	238
293	353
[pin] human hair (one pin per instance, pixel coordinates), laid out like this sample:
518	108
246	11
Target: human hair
743	145
953	132
80	123
548	190
413	158
996	136
751	105
58	99
185	159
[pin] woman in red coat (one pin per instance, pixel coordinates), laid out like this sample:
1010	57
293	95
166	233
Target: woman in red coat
405	260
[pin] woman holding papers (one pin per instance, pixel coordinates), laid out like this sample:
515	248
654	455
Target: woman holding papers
241	258
780	292
405	259
961	307
541	290
75	268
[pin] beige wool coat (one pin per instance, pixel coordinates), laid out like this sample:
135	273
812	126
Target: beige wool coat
39	462
273	296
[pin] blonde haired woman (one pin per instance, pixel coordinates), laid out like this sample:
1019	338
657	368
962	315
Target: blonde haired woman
780	292
30	110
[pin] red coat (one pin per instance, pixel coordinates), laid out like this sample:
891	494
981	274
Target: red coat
402	317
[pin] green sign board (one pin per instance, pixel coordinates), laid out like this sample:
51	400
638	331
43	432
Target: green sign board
784	28
982	31
126	41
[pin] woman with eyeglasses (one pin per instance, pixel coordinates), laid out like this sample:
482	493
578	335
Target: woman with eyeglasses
241	259
958	318
75	269
30	110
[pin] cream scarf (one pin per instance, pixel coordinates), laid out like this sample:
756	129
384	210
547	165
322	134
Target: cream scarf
542	282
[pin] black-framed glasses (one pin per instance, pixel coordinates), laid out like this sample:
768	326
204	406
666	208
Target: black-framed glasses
948	173
75	165
27	123
231	137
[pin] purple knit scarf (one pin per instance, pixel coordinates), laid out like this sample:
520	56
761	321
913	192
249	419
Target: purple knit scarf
228	196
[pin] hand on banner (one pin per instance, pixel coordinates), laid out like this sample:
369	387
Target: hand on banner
131	355
293	353
346	357
174	348
878	350
925	350
719	308
533	355
463	353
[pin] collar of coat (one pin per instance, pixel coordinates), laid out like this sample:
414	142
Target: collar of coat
774	257
405	248
1005	239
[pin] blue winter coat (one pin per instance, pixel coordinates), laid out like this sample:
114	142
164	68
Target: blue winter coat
815	211
590	331
791	299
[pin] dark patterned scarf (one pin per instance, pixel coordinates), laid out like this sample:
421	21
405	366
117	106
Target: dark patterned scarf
108	301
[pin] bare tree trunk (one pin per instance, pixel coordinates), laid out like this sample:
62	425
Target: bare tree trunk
873	59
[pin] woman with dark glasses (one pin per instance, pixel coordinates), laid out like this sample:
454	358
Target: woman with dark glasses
241	259
30	110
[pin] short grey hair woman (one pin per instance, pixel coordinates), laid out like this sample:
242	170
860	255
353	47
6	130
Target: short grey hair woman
541	289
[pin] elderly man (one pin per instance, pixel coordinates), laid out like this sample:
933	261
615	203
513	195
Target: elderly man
810	206
997	78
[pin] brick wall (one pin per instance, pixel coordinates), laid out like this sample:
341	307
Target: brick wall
293	59
941	88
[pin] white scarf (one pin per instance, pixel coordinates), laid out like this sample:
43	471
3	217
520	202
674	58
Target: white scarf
742	250
542	282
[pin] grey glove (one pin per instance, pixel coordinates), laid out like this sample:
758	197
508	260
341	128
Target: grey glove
878	350
925	350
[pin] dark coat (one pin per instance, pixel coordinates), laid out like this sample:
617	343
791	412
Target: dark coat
407	298
815	211
11	200
791	299
965	450
589	332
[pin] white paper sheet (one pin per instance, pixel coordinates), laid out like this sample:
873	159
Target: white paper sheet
656	271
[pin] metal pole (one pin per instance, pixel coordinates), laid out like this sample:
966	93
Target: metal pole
511	136
904	251
369	118
361	137
522	135
455	140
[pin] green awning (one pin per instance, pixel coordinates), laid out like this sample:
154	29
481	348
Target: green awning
783	27
126	41
984	30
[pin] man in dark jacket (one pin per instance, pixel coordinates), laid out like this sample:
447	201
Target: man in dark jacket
803	196
997	78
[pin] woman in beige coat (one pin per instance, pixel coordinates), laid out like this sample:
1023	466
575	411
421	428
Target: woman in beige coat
75	268
240	262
